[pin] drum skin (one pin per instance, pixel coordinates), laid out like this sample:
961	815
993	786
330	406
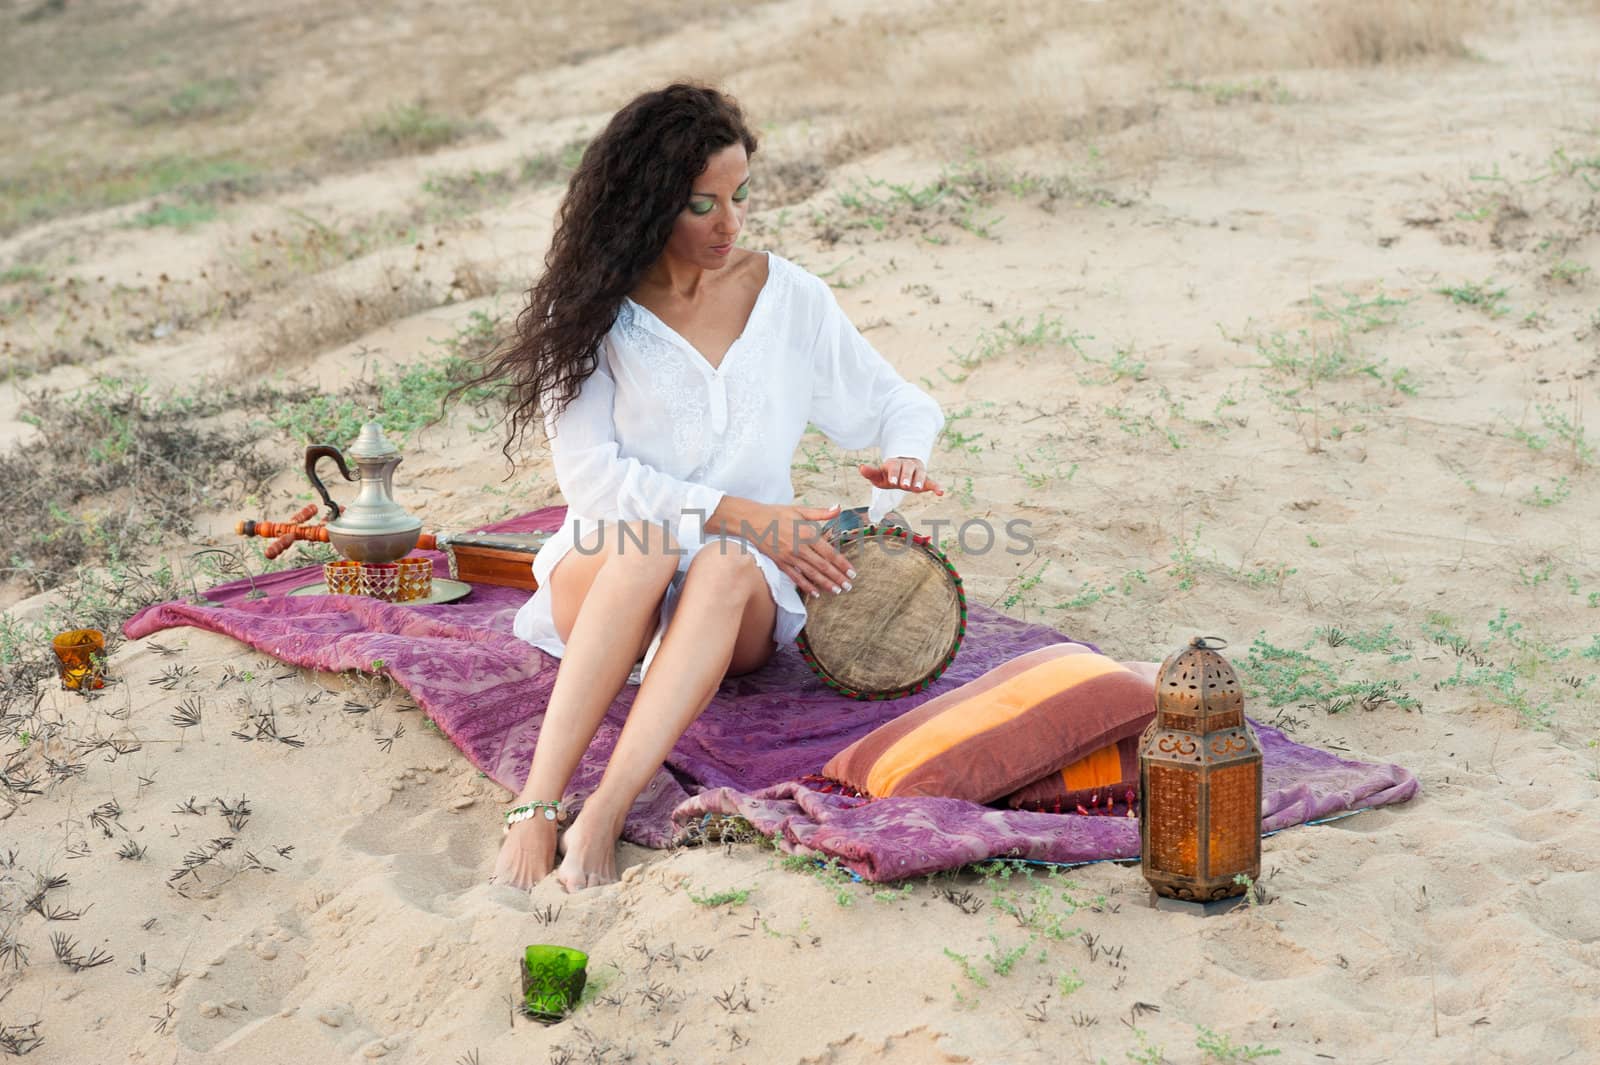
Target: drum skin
899	626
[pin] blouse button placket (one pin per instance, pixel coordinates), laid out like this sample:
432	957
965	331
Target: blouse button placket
719	404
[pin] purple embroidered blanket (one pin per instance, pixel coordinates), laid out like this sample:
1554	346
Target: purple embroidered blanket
762	732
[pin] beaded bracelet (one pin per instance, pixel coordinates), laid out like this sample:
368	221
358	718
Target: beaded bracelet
529	809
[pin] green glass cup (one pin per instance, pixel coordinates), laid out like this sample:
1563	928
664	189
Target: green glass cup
552	981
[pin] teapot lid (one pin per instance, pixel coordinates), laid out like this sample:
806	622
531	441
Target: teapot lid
372	444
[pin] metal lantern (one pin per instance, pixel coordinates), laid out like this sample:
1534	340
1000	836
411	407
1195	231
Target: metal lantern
1200	785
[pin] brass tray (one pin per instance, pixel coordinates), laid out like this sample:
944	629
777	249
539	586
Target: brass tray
445	590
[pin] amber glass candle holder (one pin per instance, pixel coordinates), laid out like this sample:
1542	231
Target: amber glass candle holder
552	981
343	577
415	579
380	580
80	659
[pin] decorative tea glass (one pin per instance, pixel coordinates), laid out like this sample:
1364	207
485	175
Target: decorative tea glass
343	577
552	981
380	580
80	659
415	579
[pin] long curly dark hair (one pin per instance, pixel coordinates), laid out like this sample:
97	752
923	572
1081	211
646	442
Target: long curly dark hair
627	192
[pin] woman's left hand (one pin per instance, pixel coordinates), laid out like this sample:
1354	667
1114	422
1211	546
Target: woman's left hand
904	474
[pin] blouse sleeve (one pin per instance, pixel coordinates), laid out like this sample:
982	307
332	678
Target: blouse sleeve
598	482
857	398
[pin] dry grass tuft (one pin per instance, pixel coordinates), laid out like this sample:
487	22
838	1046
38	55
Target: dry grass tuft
472	279
1369	32
408	129
785	181
116	470
1195	38
320	316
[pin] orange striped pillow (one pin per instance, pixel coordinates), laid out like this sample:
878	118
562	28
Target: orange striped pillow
1013	725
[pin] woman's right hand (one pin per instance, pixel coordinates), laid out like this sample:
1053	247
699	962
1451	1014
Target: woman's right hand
792	537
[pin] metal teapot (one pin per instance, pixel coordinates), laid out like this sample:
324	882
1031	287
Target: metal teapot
373	527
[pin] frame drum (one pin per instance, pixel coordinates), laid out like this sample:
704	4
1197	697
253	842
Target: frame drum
902	622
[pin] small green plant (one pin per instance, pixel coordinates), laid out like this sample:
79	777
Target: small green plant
999	870
1003	959
1090	595
1251	895
16	275
1567	272
410	399
1405	383
1482	295
1358	314
1534	578
1222	93
1039	914
1042	468
830	872
206	98
1011	336
968	970
1221	1048
48	193
1270	576
1558	493
181	216
1309	359
1026	585
1086	597
1121	366
721	898
1368	641
1146	1053
967	493
1285	676
407	129
1185	566
1068	983
1568	430
961	441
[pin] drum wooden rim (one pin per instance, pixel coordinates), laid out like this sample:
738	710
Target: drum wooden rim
923	682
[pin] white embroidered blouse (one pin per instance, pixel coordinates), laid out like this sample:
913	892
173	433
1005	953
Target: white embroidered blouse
657	433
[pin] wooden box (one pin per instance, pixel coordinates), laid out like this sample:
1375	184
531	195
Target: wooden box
504	559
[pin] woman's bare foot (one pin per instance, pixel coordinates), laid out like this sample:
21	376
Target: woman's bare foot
527	854
589	850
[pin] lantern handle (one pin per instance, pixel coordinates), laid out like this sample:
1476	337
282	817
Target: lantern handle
1208	643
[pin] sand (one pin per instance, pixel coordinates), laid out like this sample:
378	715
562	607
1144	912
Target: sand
1122	347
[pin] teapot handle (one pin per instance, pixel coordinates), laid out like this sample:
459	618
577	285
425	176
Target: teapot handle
315	453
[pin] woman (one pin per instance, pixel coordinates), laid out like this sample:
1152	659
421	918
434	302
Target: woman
676	374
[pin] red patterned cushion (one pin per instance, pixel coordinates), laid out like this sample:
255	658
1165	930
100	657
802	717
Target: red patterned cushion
1105	782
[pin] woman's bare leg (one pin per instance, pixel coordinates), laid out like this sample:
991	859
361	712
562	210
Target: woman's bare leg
722	625
605	602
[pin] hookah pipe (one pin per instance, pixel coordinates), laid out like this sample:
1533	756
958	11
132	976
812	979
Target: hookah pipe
288	533
483	558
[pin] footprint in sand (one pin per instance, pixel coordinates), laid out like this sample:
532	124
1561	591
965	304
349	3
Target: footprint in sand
423	867
243	987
